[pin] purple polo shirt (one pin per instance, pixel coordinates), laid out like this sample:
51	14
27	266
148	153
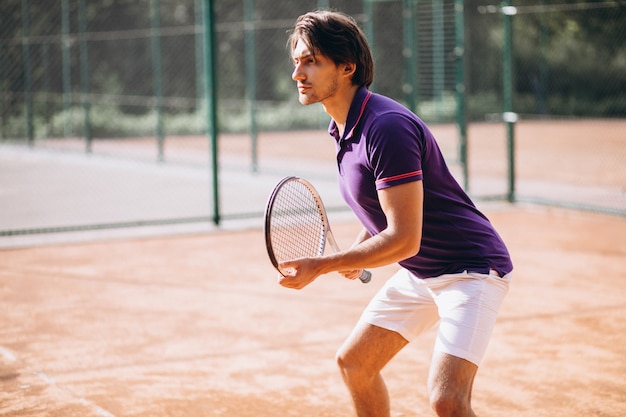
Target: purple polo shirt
385	144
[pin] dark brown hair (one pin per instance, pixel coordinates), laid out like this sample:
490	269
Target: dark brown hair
338	37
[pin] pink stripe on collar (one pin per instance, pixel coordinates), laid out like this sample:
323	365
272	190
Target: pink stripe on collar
349	135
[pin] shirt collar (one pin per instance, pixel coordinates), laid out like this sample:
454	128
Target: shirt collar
357	108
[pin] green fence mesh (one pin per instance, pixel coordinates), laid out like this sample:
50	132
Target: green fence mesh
125	79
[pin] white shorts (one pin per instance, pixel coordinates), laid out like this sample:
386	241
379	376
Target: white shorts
465	305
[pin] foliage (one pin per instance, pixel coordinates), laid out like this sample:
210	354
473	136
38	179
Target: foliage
569	59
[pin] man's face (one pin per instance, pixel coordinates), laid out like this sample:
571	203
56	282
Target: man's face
317	77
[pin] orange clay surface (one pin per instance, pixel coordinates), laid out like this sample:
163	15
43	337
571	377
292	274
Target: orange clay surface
196	325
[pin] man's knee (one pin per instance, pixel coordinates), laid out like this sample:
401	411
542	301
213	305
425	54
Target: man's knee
445	402
347	364
450	385
366	352
353	369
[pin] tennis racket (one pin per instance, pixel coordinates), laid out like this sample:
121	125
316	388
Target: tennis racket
296	224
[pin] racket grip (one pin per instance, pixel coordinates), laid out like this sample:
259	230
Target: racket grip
366	276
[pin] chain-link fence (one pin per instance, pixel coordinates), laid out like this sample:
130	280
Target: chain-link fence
125	79
129	62
561	72
118	86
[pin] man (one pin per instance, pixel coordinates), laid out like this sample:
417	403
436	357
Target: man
392	174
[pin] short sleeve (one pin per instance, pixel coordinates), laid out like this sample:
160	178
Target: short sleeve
395	149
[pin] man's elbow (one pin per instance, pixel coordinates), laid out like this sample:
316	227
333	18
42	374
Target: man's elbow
410	248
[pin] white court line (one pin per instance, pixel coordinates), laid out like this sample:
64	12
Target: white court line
10	356
7	354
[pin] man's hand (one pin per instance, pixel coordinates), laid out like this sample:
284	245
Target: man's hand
298	273
351	274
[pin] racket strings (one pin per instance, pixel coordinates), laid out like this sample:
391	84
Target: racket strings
297	226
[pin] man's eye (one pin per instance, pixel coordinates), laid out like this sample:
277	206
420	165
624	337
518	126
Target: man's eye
296	62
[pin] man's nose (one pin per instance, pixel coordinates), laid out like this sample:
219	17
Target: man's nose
297	73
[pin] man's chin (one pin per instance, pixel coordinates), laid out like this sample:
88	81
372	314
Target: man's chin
305	100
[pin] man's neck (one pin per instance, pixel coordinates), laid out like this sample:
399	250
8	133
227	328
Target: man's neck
339	107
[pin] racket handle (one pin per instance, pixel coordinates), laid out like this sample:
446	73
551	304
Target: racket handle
366	276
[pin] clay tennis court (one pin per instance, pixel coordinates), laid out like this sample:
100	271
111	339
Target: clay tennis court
194	324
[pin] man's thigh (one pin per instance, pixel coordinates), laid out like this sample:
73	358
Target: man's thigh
450	376
370	347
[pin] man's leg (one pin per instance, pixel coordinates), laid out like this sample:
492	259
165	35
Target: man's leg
468	309
450	383
361	358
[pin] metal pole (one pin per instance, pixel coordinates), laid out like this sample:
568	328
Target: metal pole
250	53
409	53
46	86
3	92
542	81
210	85
28	78
438	57
507	93
368	28
199	54
65	56
84	71
459	52
155	38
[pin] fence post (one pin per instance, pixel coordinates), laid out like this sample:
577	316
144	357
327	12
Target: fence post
459	52
438	58
199	52
84	71
28	79
250	53
368	28
210	85
155	41
3	92
508	116
409	52
65	58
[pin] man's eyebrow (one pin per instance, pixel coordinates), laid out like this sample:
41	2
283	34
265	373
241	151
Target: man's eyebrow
303	55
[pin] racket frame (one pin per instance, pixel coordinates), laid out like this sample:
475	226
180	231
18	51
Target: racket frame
328	237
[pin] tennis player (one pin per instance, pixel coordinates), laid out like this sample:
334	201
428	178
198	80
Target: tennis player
455	268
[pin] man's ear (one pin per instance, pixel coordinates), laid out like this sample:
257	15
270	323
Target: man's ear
349	68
